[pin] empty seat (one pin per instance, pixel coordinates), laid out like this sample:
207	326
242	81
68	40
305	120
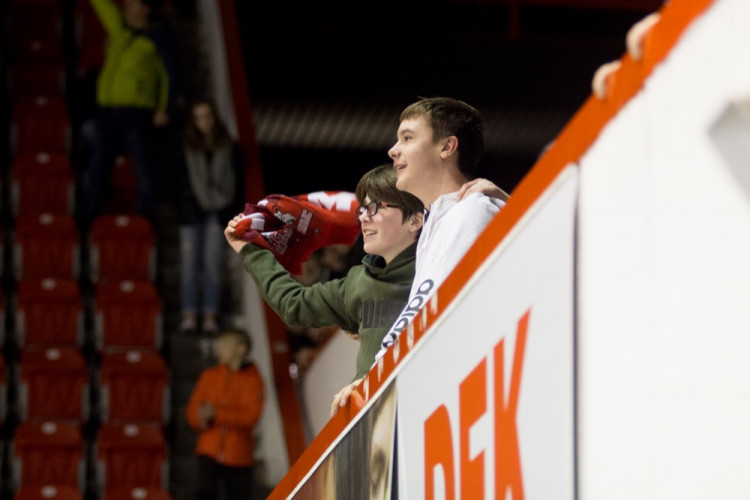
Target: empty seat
53	385
40	123
39	20
134	387
122	247
131	455
123	186
138	493
48	453
128	315
49	313
46	246
36	50
47	491
37	77
42	182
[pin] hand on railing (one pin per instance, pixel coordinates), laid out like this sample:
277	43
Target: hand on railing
342	397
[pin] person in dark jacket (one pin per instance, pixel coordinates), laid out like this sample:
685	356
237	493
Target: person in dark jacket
210	184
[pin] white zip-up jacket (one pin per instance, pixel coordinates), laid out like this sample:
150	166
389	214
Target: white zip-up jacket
450	229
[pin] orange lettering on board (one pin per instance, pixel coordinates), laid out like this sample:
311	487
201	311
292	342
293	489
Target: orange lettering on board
472	405
438	450
438	435
507	452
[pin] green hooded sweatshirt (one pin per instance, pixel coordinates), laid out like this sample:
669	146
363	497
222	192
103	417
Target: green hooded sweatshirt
366	301
134	74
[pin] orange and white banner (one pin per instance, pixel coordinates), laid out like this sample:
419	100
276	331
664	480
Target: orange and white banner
497	417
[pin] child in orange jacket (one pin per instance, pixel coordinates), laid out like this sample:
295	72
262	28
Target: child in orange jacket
224	408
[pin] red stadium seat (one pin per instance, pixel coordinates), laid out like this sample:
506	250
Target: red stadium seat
124	186
49	313
137	493
122	248
36	50
41	20
42	182
128	315
48	453
47	491
40	123
53	385
46	77
90	37
129	455
134	387
46	246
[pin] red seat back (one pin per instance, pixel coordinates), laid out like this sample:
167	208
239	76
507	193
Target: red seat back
48	453
49	313
128	315
46	246
54	385
130	455
134	387
122	248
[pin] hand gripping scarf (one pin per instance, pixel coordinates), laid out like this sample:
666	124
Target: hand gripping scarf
293	227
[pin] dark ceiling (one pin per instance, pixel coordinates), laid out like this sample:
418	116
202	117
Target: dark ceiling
526	64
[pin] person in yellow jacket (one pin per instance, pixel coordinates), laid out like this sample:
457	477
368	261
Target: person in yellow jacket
224	408
133	93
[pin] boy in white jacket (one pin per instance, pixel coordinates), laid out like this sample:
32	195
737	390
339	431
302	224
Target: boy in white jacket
439	142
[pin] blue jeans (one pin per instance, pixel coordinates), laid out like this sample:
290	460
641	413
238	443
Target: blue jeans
201	252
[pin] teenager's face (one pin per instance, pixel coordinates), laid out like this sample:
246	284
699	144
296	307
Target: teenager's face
203	118
414	156
385	233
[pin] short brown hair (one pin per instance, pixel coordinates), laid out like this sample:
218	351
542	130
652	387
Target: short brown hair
240	336
447	117
380	185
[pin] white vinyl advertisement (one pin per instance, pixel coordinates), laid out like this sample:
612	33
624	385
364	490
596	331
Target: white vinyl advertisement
496	419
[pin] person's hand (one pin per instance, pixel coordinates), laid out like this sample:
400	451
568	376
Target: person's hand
637	34
352	335
341	397
206	413
483	186
601	83
161	119
234	241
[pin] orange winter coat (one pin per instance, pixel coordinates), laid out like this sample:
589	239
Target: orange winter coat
238	399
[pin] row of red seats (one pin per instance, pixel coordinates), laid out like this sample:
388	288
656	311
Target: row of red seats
55	384
126	457
47	245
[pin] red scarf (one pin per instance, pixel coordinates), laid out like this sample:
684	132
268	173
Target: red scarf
293	227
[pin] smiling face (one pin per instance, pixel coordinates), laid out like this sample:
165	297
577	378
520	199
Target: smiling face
386	234
416	157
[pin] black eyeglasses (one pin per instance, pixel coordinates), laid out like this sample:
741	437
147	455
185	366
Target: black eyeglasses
372	208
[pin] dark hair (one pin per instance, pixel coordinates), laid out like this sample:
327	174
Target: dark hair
239	336
447	117
380	185
194	139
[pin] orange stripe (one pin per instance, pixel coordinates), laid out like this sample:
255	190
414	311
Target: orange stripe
570	145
